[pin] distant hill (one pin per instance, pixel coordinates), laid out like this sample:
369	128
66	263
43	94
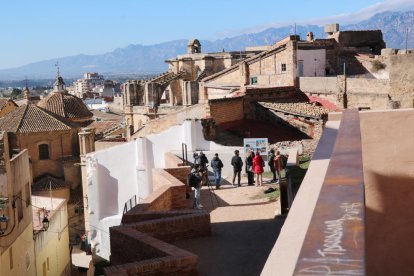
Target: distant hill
150	59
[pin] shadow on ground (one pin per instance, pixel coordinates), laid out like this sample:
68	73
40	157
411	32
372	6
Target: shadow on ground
235	248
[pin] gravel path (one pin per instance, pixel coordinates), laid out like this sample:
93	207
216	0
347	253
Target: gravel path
245	227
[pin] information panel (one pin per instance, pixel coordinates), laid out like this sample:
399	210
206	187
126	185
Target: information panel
255	144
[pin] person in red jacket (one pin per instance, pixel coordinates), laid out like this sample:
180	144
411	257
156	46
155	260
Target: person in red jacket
258	168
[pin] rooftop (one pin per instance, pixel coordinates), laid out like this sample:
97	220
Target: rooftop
31	118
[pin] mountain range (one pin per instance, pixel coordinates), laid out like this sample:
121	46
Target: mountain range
140	59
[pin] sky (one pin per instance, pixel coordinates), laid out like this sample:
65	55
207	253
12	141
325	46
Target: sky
32	31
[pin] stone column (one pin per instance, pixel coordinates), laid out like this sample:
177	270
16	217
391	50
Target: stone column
87	145
244	74
127	98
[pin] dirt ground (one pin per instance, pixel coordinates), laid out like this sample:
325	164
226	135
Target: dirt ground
245	226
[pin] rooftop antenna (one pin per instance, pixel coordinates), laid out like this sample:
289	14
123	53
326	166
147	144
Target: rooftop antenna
57	66
295	29
25	78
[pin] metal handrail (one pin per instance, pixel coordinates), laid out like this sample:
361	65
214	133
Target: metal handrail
132	200
184	154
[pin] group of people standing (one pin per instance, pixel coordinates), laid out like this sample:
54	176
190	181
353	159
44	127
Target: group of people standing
254	164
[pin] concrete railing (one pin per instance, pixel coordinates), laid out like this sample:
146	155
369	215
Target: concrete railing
324	233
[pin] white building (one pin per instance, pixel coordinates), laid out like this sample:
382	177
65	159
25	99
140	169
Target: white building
93	83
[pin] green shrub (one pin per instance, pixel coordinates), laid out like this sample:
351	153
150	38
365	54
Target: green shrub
377	65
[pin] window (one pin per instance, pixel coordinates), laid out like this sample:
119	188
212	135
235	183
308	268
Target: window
253	80
283	67
43	151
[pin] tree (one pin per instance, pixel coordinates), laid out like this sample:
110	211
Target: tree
16	93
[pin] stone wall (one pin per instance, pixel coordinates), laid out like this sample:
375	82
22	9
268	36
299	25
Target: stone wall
360	92
197	111
232	77
154	257
318	85
268	70
226	110
117	106
401	72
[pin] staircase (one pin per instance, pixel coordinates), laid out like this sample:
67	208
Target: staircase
115	128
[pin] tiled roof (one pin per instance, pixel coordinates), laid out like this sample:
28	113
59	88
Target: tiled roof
4	101
101	126
65	105
49	182
31	118
298	108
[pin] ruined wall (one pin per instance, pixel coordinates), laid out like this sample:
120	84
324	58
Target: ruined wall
360	92
226	110
230	78
369	38
401	72
197	111
320	85
371	93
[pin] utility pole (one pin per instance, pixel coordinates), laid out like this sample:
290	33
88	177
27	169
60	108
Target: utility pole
406	40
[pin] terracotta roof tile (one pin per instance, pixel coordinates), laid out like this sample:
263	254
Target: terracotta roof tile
31	118
65	105
4	101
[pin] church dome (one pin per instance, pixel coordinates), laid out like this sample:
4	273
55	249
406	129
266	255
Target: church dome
64	104
67	106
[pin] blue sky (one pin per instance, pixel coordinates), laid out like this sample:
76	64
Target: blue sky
37	30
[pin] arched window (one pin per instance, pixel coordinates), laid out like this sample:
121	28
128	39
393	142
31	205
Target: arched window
43	151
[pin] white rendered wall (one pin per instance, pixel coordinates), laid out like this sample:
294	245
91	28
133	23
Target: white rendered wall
314	62
118	173
114	176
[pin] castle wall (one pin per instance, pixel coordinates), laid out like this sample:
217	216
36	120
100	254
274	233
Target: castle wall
360	92
401	72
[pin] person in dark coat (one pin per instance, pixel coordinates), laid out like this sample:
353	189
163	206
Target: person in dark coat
203	161
237	164
272	165
216	165
249	168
